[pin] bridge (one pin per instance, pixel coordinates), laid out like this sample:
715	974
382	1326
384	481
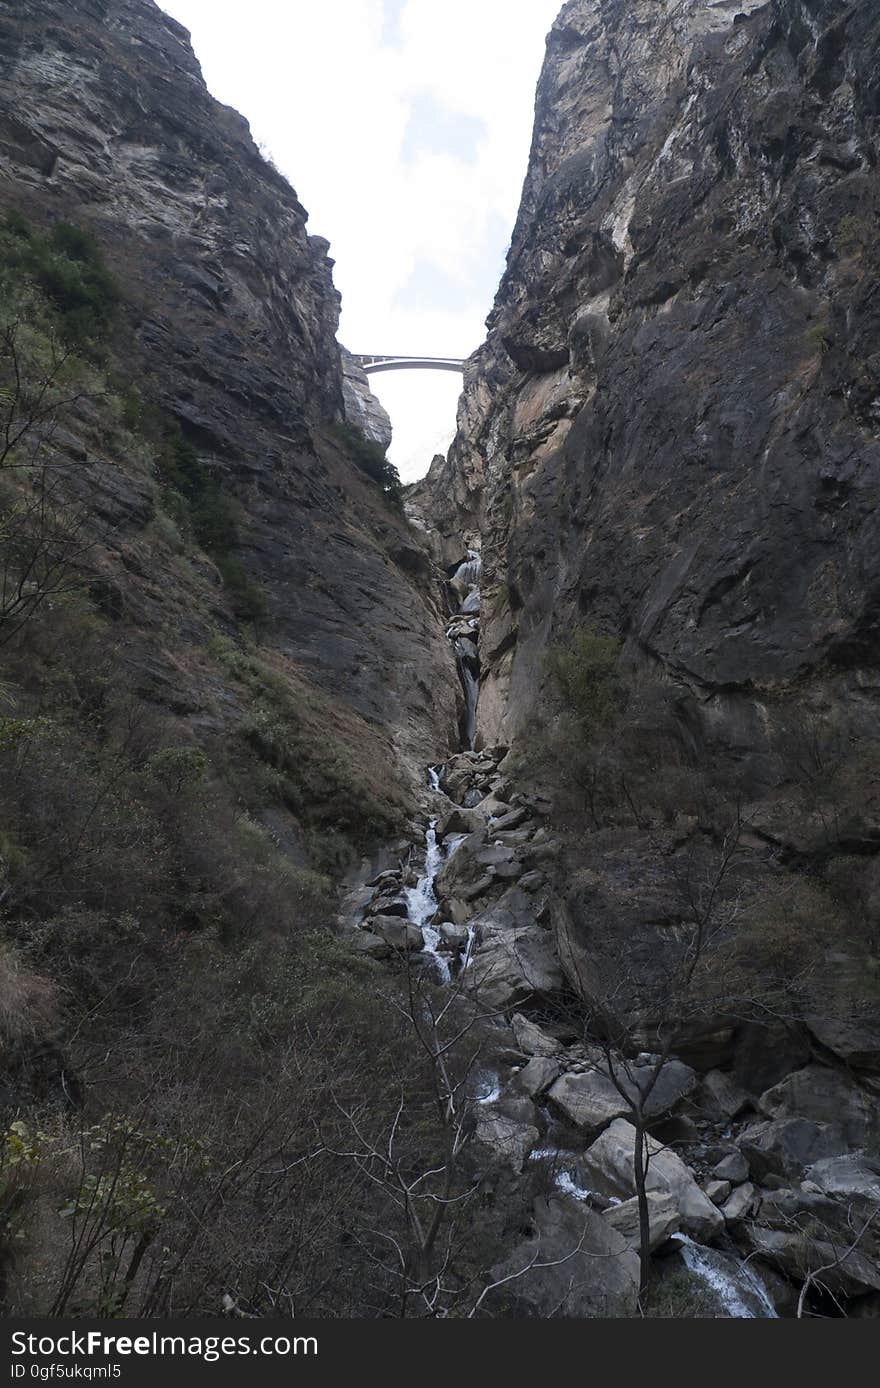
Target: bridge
373	363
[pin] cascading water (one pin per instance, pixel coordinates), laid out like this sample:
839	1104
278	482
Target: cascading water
736	1285
421	901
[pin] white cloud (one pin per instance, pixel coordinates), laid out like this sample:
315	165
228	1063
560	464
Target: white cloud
338	95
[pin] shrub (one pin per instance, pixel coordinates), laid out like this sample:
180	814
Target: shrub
370	458
67	265
585	675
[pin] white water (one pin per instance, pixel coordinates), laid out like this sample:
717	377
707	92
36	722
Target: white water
488	1087
421	901
742	1294
467	575
434	774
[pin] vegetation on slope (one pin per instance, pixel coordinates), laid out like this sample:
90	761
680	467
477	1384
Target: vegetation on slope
178	1022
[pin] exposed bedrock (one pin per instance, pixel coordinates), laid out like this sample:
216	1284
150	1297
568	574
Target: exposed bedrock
671	431
105	120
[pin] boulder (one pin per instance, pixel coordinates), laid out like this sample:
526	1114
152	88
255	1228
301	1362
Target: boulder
608	1167
852	1176
461	871
796	1254
453	909
588	1269
823	1095
739	1204
720	1098
365	942
531	1039
460	821
663	1219
536	1077
511	820
589	1101
733	1167
717	1191
856	1043
453	936
503	1140
389	905
532	882
510	966
398	933
785	1146
674	1083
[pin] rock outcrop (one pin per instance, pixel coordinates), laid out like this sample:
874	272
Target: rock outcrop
362	409
105	121
671	429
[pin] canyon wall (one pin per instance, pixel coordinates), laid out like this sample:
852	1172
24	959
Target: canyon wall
230	317
671	431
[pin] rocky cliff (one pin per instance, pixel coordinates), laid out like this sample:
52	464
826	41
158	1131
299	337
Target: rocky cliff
105	121
669	444
671	430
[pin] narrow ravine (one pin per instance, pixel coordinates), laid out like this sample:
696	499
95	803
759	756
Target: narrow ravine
468	896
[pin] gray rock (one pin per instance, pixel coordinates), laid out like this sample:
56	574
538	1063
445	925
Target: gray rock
365	942
589	1269
663	1219
720	1097
533	1079
823	1096
785	1146
511	964
455	936
531	1039
738	1205
733	1167
588	1101
400	934
717	1191
608	1167
503	1140
855	1175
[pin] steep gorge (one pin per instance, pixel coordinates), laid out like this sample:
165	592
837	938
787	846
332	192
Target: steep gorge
660	503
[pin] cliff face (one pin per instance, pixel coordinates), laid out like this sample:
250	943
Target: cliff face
671	431
105	121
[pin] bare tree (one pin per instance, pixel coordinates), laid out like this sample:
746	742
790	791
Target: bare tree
42	534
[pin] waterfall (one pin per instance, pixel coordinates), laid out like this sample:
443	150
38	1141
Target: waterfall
421	901
737	1286
434	774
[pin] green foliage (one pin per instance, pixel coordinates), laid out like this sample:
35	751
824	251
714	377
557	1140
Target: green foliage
67	266
370	458
20	1156
584	672
853	231
819	337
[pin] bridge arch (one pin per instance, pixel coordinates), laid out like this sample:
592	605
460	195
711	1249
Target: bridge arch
373	363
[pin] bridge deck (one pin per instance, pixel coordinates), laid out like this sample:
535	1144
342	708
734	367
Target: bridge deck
375	363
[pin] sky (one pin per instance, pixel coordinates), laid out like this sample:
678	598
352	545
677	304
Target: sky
404	126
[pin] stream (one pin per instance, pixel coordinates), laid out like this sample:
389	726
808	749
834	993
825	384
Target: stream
447	950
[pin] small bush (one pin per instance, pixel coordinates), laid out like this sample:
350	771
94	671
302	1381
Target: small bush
585	675
67	265
370	458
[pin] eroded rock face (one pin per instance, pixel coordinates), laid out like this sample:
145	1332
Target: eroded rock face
362	409
672	423
105	121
